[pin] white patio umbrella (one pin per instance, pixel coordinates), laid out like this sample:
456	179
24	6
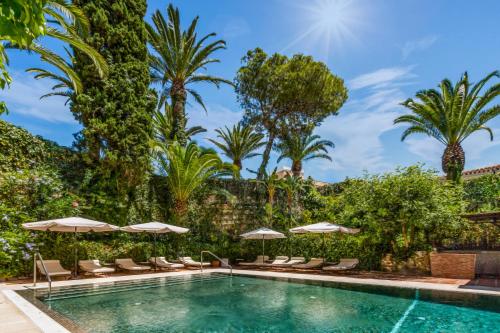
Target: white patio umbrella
71	224
154	228
263	233
323	228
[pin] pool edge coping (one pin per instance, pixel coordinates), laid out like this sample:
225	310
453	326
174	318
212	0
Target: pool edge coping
39	318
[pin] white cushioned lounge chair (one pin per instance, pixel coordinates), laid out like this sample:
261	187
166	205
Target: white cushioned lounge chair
291	262
161	262
313	263
53	267
94	267
279	260
129	265
259	261
189	262
343	265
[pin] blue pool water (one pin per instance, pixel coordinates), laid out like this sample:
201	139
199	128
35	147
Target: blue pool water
243	304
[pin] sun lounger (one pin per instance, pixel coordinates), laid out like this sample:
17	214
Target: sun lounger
279	260
343	265
129	265
189	262
94	267
53	267
313	263
291	262
259	261
161	262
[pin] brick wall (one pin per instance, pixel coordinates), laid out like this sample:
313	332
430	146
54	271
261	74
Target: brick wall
453	265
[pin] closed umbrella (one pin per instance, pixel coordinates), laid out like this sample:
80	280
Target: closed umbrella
71	224
154	228
263	233
323	228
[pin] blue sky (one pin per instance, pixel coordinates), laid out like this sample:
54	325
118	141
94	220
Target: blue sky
384	50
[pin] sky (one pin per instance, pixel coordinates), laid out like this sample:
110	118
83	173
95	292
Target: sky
385	50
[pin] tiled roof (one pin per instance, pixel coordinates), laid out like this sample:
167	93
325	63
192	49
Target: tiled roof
481	171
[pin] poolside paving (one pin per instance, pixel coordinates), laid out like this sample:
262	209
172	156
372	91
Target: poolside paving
13	320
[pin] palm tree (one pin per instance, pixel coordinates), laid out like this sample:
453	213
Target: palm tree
187	169
291	185
299	148
71	26
178	57
68	84
239	143
450	115
163	124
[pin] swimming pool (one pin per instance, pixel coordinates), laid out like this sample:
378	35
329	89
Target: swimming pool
218	303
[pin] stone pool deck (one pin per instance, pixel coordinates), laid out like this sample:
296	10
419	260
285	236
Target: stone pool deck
24	317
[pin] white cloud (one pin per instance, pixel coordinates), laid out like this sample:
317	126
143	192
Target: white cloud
418	45
216	116
23	98
357	131
383	77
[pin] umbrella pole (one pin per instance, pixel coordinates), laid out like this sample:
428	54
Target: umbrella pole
76	255
263	249
324	248
154	250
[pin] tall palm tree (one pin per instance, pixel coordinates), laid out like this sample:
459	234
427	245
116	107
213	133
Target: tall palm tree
187	169
239	143
71	26
299	148
163	124
450	115
178	57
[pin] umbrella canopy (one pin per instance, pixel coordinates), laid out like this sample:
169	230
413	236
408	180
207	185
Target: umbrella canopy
323	228
263	234
154	228
71	224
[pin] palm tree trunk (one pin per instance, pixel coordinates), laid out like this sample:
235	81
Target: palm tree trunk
453	161
179	95
296	168
265	156
237	163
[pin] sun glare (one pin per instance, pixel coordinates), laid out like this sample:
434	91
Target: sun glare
327	25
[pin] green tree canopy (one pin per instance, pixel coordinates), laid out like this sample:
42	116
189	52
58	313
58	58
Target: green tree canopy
281	94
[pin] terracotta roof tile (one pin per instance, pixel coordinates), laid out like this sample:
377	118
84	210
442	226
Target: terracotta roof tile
485	170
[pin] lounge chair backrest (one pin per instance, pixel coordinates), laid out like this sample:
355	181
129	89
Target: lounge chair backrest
187	260
90	263
298	258
316	260
261	259
125	262
52	266
348	262
281	258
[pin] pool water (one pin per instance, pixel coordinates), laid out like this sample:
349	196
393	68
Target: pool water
244	304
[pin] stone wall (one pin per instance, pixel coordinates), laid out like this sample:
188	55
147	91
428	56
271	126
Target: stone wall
453	265
419	263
